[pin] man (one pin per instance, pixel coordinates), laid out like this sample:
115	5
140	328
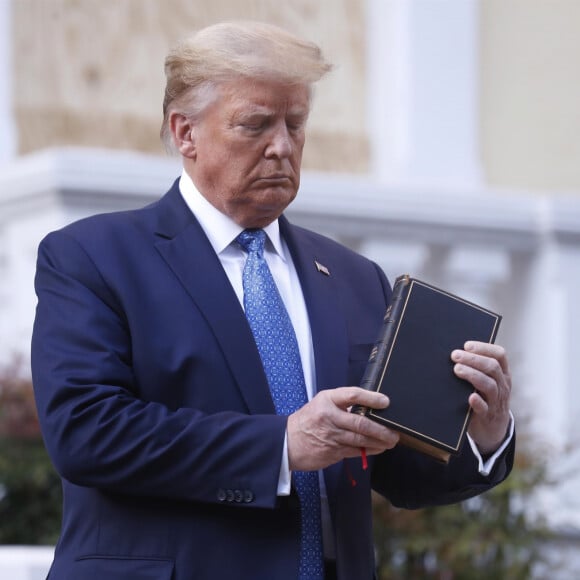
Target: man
180	454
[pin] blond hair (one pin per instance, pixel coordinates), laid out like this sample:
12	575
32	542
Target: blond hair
230	50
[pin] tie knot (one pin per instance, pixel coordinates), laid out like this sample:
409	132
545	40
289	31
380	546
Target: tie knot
252	241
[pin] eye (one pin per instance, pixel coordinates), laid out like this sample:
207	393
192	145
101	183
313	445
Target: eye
254	125
294	127
295	124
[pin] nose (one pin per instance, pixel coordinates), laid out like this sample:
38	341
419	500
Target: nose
280	143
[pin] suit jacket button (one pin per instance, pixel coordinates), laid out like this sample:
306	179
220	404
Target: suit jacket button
229	495
221	495
248	496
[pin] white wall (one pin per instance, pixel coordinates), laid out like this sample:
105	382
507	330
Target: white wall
25	562
7	125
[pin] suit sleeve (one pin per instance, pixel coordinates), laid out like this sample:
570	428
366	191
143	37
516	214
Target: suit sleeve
97	429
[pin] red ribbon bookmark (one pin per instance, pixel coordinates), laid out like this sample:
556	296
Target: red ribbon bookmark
363	458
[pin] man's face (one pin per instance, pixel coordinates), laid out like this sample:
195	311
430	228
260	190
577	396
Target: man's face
247	149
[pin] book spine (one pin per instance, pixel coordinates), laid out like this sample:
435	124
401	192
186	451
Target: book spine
382	347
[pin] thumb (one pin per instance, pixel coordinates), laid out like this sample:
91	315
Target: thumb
345	397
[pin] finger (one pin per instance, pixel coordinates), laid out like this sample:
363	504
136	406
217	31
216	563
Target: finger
356	451
354	430
486	349
363	432
354	442
486	364
480	381
483	372
345	397
478	404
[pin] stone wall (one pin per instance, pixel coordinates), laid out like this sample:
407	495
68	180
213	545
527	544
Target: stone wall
530	90
90	72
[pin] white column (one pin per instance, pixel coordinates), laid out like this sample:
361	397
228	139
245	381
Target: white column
423	68
7	124
473	272
549	343
396	258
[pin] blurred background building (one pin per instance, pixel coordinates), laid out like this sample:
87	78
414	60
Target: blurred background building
444	144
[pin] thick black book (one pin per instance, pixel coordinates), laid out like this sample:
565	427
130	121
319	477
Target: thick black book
411	364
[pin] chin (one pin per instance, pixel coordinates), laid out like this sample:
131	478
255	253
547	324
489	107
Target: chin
273	204
261	220
265	207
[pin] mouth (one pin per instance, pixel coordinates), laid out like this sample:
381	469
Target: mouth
275	179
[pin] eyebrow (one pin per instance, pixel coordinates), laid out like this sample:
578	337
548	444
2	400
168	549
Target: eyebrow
262	111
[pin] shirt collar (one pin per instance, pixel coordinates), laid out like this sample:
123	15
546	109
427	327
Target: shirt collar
218	227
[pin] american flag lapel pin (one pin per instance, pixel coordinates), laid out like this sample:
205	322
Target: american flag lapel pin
322	268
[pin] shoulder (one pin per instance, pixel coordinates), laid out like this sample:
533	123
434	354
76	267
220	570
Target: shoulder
102	225
110	228
338	258
322	245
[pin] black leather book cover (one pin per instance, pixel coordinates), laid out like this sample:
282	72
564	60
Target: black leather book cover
411	363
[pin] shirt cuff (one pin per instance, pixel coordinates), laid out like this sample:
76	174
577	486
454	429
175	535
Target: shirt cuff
486	467
285	477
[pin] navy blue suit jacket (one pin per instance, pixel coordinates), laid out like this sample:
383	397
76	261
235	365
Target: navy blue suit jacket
156	411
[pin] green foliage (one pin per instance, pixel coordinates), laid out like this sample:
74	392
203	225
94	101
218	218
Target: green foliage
30	491
30	494
488	537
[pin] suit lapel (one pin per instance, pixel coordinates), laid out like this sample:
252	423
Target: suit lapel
187	251
319	286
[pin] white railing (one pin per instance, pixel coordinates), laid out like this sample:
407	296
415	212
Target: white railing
25	562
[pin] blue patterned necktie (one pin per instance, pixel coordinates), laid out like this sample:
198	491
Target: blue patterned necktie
278	348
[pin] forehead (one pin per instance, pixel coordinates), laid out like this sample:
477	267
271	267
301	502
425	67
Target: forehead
245	95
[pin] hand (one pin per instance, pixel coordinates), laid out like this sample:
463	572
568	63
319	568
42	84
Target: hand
485	366
323	432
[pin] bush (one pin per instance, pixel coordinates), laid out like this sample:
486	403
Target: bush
30	491
485	538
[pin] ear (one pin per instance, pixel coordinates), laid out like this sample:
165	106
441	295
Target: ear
182	131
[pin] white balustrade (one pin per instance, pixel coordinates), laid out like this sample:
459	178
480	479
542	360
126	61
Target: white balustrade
25	562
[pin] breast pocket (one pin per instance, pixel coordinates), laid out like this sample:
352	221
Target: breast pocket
357	362
121	568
